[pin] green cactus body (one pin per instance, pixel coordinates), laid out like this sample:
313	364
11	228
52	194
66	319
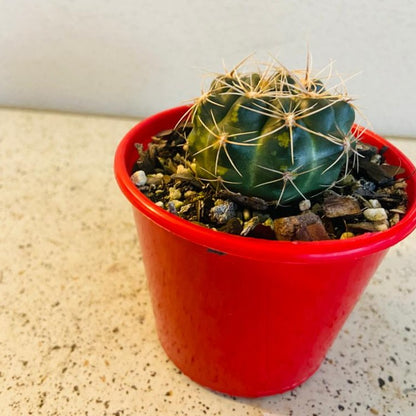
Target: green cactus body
270	135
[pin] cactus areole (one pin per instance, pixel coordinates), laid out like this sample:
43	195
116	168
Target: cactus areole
273	134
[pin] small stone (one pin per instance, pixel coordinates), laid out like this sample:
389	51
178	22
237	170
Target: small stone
189	194
250	225
171	208
348	180
401	209
174	194
377	159
394	219
369	226
222	211
374	203
259	227
312	232
183	173
246	214
375	214
304	205
304	227
346	235
233	226
181	170
335	206
174	206
167	178
381	225
177	204
401	184
268	222
184	208
139	178
365	188
362	226
160	204
154	180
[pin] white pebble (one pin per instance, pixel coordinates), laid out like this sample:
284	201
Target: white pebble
305	204
139	178
376	159
374	203
375	214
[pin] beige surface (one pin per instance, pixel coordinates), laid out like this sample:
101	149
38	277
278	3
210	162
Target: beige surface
76	329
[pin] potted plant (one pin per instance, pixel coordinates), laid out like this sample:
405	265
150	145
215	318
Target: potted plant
247	316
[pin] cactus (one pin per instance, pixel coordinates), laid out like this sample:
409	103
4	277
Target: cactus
273	134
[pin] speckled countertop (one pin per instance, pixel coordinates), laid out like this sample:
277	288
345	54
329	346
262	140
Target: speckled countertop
77	334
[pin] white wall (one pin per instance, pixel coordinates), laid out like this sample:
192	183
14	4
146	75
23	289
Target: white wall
136	57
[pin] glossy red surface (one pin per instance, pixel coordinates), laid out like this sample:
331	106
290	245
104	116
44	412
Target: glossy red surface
244	316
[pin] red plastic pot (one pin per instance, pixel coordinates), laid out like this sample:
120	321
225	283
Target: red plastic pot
244	316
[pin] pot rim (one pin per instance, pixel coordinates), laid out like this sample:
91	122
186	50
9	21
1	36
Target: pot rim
259	249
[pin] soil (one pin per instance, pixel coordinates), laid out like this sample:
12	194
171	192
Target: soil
369	199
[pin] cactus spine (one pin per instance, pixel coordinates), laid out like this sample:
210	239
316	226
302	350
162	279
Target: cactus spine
273	134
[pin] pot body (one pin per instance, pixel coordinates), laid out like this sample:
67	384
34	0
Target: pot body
241	326
243	316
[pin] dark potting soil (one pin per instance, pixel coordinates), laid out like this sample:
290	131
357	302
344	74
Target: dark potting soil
369	198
